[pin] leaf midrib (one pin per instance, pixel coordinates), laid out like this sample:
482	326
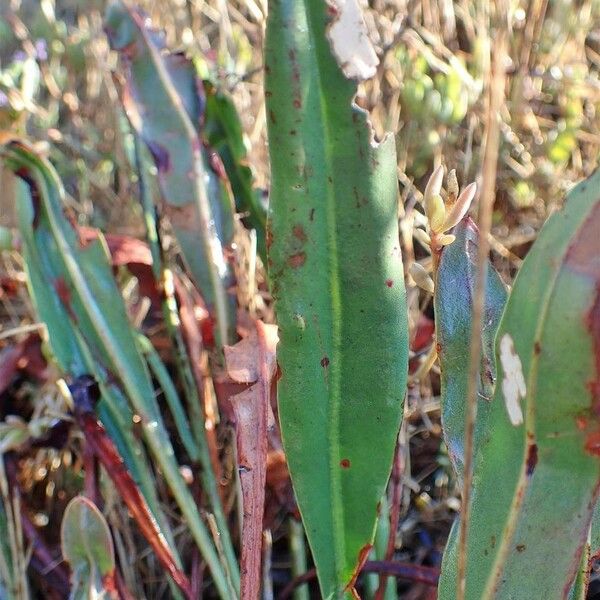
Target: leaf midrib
334	375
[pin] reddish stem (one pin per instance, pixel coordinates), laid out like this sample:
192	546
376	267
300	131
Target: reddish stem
415	573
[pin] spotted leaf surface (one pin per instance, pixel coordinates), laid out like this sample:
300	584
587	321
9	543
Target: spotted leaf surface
338	282
536	469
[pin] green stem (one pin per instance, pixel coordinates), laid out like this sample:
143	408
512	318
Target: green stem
298	557
166	383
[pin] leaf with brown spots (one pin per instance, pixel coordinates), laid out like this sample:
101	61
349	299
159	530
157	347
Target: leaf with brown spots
337	280
536	470
89	332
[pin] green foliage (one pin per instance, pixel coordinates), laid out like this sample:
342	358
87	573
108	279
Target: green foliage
162	98
339	289
595	532
88	548
536	464
562	140
76	296
453	301
50	287
430	99
19	83
223	131
6	566
336	273
13	580
440	97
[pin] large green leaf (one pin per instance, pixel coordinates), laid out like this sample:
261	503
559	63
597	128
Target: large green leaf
339	287
536	470
163	100
453	301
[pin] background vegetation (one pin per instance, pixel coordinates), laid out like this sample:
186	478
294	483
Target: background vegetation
57	88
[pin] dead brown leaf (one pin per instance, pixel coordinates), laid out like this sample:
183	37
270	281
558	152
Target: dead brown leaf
252	361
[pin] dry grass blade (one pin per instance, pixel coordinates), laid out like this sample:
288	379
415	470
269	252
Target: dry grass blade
496	86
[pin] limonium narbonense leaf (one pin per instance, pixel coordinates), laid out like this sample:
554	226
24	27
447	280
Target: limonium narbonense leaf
338	282
453	301
536	471
76	295
164	101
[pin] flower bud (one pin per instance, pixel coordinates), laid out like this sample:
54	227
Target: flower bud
460	209
436	212
434	185
421	277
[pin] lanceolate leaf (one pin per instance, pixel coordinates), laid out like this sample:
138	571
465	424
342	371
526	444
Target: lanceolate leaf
164	102
45	278
453	299
338	282
536	470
